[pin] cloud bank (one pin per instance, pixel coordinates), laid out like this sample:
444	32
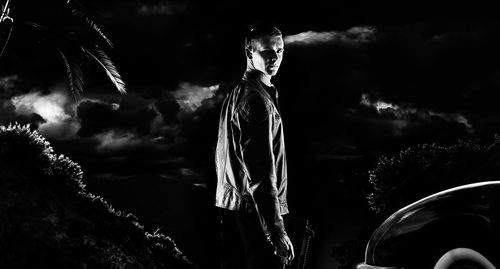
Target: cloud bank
353	36
163	8
190	97
55	110
405	115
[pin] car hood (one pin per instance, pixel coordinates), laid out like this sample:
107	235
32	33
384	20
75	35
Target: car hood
465	198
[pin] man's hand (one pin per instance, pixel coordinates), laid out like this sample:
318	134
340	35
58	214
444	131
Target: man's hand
283	247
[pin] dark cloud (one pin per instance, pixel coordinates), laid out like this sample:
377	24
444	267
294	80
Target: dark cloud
103	157
435	64
119	142
133	114
161	8
390	129
147	129
95	117
442	76
168	108
8	85
424	63
141	121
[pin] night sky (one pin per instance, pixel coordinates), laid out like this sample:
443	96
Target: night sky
358	79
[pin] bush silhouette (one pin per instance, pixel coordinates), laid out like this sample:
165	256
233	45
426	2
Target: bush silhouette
415	173
424	169
48	219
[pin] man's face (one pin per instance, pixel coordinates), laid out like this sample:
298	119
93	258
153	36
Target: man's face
267	54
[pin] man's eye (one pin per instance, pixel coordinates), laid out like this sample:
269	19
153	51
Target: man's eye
280	50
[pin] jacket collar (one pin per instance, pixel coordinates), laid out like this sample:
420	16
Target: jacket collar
254	77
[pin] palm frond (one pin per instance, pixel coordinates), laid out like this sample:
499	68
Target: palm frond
105	62
75	75
35	25
5	12
78	11
5	18
71	40
6	41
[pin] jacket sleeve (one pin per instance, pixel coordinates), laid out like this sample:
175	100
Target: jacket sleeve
257	146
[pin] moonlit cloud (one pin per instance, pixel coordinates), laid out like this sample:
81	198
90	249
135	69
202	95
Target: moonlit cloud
50	107
113	140
403	114
58	123
352	36
378	105
454	117
190	97
122	142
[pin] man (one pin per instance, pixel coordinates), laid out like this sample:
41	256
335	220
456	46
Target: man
251	162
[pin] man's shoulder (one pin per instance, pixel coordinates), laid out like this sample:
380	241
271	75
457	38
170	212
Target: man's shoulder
247	95
254	96
244	91
253	91
254	105
249	101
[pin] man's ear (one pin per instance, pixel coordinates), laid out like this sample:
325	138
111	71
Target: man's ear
248	52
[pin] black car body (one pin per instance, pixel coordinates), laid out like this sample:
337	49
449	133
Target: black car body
455	228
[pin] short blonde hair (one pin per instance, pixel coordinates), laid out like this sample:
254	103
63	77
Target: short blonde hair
259	31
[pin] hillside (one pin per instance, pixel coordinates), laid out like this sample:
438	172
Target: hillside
48	218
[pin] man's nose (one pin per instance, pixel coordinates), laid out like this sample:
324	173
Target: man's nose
274	57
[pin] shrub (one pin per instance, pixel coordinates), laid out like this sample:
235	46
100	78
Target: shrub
422	170
48	219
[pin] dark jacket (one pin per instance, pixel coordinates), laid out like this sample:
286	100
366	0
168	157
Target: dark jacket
250	154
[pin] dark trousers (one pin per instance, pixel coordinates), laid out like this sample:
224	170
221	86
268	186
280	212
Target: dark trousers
243	243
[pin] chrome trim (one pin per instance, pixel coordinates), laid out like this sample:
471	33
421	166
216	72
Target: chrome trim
447	191
367	266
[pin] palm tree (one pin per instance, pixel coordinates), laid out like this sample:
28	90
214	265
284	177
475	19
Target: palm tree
7	21
74	36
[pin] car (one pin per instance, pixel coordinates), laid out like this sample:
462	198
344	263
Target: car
452	229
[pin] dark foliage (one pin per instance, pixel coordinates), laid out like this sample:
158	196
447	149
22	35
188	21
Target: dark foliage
49	220
415	173
423	170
